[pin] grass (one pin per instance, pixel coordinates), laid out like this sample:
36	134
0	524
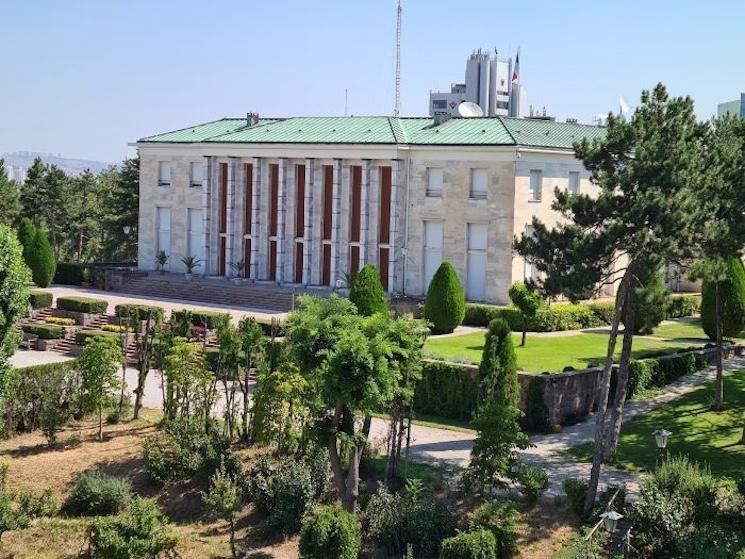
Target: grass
697	431
549	353
435	422
686	329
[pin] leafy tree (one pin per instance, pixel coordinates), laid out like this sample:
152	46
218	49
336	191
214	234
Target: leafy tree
645	213
41	259
224	500
445	304
26	235
14	289
99	364
10	202
497	420
527	300
146	325
366	292
253	348
190	388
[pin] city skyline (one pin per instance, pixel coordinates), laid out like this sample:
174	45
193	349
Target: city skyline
98	77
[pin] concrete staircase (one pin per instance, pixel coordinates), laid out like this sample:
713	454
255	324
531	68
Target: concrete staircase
218	291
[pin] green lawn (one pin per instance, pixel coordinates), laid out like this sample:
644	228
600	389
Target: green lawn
681	330
547	353
704	435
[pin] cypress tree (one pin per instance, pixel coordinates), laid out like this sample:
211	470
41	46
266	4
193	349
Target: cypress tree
41	260
652	299
732	297
26	234
445	304
367	292
498	368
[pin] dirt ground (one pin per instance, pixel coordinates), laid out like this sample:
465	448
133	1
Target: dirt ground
32	463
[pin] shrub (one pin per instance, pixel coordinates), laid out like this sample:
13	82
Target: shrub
536	418
82	304
330	531
394	520
129	310
551	318
366	292
39	299
82	336
502	519
45	331
479	544
41	260
224	500
445	303
71	273
576	492
205	319
95	494
498	368
446	390
142	533
116	328
533	483
60	321
36	507
683	305
732	298
603	312
527	300
26	235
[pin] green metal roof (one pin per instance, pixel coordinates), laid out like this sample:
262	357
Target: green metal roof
385	130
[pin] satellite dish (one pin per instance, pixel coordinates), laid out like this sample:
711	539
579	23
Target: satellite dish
467	109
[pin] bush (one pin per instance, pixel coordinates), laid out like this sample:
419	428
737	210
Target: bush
551	318
732	297
446	390
116	328
82	336
96	494
536	418
576	492
394	520
656	373
60	321
366	292
470	545
445	304
41	260
39	299
129	310
205	319
330	531
533	483
142	533
26	234
502	519
603	312
71	273
82	304
683	305
45	331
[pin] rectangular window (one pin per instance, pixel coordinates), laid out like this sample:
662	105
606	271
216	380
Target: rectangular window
434	183
223	208
476	262
432	250
573	183
479	184
163	216
196	241
164	173
439	104
273	199
536	178
197	174
248	207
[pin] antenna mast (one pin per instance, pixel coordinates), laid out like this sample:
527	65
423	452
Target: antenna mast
397	107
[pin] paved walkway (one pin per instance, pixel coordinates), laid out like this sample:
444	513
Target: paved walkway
169	304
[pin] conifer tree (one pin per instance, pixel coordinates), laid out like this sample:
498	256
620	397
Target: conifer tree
367	292
445	304
41	260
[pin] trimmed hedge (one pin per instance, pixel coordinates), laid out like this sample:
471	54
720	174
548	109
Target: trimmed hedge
127	310
683	305
45	331
656	373
205	319
70	273
39	299
479	544
445	390
536	419
83	336
82	304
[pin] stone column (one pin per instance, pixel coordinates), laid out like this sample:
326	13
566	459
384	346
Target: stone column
373	218
310	171
239	204
394	255
336	223
255	217
281	211
209	164
364	212
229	217
315	240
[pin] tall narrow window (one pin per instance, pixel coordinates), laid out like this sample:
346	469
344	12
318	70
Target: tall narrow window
384	225
197	174
164	173
573	183
223	221
247	219
476	262
299	221
479	184
355	220
432	250
434	183
328	194
196	228
536	178
163	216
273	219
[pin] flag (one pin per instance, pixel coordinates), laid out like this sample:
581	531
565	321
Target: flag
517	67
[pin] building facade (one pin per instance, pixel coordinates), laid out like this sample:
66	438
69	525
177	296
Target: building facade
309	201
732	108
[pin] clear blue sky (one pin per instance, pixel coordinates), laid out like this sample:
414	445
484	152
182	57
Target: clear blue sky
84	77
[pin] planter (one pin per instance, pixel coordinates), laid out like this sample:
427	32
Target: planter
237	281
46	345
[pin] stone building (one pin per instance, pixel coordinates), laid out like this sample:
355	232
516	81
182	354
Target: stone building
308	201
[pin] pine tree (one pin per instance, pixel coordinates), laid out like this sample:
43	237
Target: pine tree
445	304
731	288
367	292
41	260
10	203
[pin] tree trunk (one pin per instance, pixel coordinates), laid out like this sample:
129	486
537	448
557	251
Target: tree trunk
622	383
100	423
525	330
602	403
139	391
719	398
232	537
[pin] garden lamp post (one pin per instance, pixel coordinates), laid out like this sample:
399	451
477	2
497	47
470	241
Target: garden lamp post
610	520
127	229
660	438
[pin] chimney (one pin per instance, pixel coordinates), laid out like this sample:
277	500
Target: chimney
252	119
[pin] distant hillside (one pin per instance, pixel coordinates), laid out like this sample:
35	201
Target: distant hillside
24	160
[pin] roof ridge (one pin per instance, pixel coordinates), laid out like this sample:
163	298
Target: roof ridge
507	129
188	127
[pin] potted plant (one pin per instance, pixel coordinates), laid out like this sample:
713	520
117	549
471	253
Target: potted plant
161	259
190	262
239	268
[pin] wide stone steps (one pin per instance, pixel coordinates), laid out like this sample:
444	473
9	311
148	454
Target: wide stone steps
212	291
